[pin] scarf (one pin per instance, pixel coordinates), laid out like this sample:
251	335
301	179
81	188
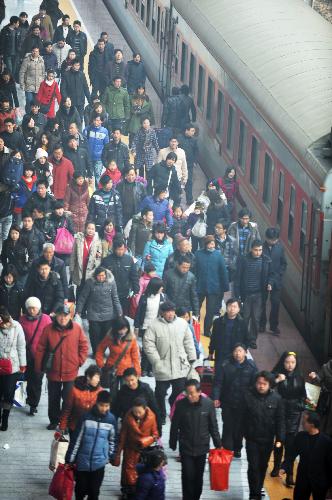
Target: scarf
109	236
49	83
33	318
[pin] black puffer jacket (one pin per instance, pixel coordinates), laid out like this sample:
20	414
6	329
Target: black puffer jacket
17	255
65	118
117	151
139	234
99	211
241	275
134	189
11	298
125	273
57	266
135	75
33	239
264	417
232	380
192	425
163	176
220	344
74	85
174	257
80	159
292	390
49	292
181	289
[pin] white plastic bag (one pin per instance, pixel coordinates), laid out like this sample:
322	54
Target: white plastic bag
20	394
59	449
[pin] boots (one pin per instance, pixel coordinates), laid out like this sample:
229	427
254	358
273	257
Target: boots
4	420
277	454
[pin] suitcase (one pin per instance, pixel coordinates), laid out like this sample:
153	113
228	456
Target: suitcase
206	374
163	136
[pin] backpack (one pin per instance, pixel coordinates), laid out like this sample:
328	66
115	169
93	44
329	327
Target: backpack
12	172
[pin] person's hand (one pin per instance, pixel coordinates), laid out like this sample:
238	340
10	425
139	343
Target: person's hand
115	461
23	369
312	375
136	331
194	318
280	378
282	472
278	444
269	288
216	403
52	314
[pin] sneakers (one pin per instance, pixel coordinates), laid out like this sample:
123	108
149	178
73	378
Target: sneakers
33	411
275	331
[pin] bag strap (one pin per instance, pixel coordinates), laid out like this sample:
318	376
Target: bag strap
29	344
58	345
122	355
169	177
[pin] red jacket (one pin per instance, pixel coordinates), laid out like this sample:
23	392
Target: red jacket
29	327
3	116
70	355
130	359
115	176
48	92
62	175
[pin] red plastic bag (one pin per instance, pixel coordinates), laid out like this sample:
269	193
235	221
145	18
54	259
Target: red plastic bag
62	484
197	330
220	462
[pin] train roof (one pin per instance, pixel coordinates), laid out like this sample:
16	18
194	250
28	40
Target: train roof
280	54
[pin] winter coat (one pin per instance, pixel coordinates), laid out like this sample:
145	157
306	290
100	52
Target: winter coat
8	45
29	326
12	345
57	266
94	442
292	390
56	222
114	69
190	147
34	240
99	211
192	425
80	400
179	227
45	24
130	360
163	176
17	255
134	436
61	53
117	103
80	160
45	204
50	292
117	151
174	258
11	298
157	253
97	138
6	203
79	42
215	213
23	194
66	118
8	91
160	209
135	75
241	275
51	62
59	34
222	346
125	398
136	192
97	60
232	381
32	73
325	401
101	299
76	201
69	356
14	140
278	262
264	417
233	232
74	85
150	484
186	107
143	283
31	41
227	250
140	109
47	94
76	259
210	272
4	115
169	348
180	164
125	273
181	290
171	112
139	234
63	172
141	309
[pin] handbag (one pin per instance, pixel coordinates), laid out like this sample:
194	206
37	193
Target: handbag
64	241
62	484
30	358
59	449
20	395
47	363
108	373
45	108
199	229
220	462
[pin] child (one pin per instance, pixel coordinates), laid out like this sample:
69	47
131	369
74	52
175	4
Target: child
179	222
113	172
183	313
151	477
10	293
195	216
148	273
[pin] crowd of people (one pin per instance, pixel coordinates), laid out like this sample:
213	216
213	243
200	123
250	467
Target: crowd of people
107	254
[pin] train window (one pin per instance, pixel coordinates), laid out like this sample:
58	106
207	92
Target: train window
132	2
280	208
291	215
220	114
241	155
192	73
254	162
137	5
268	177
148	13
201	87
230	129
154	17
158	23
142	10
303	230
184	59
210	99
176	57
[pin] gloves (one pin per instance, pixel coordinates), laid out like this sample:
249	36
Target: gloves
23	369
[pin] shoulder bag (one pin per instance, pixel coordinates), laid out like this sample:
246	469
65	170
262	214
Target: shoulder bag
47	363
199	229
108	373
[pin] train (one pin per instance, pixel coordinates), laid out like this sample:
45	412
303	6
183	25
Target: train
260	74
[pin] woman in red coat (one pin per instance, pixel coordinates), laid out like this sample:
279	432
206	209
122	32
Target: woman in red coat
48	92
77	201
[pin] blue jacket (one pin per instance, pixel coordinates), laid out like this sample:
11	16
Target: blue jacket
23	194
158	254
210	272
160	209
150	484
94	442
97	138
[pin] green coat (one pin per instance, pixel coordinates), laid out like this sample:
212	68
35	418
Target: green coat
138	114
117	103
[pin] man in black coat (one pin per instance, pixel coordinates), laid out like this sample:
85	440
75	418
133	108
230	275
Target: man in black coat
193	423
132	193
116	150
64	31
232	380
75	86
264	417
188	143
125	272
31	236
170	113
98	60
78	41
164	174
41	199
187	108
13	138
183	247
274	250
314	472
79	157
10	44
32	40
180	286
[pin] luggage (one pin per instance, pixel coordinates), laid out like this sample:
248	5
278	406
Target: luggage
220	461
59	449
206	374
163	136
62	484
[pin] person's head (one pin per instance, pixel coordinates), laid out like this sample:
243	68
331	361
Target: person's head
58	153
23	17
72	142
244	216
183	264
155	286
100	274
33	306
16	154
193	390
71	54
103	402
78	178
140	90
76	65
97	121
44	269
189	130
48	251
108	226
119	247
14	22
139	408
184	89
209	243
9	125
239	352
106	183
77	26
136	57
171	159
183	245
263	381
98	108
5	104
10	275
63	315
59	208
230	173
5	318
150	269
145	123
116	134
28	170
41	187
48	47
183	312
112	166
311	421
72	129
220	229
147	215
117	82
118	55
120	328
233	307
288	363
104	36
167	311
90	228
198	208
160	193
177	212
130	174
65	20
14	232
27	221
61	43
101	45
173	143
272	236
256	249
130	378
155	459
35	52
38	213
159	232
92	375
50	75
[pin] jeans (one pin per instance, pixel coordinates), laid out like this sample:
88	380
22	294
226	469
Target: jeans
192	476
213	304
252	308
97	331
161	391
232	428
5	224
88	484
98	169
10	63
56	391
29	98
274	313
258	455
34	385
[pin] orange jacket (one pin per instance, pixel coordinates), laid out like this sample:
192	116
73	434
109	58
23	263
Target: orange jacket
130	359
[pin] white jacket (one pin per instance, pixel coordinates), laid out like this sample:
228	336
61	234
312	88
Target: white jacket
12	345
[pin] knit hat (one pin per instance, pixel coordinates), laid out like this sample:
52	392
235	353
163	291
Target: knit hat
40	153
208	239
33	302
